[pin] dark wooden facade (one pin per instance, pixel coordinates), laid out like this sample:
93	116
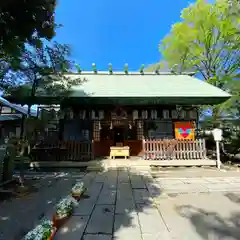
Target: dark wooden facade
99	128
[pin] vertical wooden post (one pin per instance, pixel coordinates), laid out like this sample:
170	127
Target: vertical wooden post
143	148
22	126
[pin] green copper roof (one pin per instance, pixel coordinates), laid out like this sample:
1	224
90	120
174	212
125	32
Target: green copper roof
147	85
135	88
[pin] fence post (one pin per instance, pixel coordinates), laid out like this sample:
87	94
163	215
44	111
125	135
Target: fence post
92	146
144	148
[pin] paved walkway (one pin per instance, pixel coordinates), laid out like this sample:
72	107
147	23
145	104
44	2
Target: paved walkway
124	205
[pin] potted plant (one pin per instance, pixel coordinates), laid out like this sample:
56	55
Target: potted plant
77	190
63	210
43	231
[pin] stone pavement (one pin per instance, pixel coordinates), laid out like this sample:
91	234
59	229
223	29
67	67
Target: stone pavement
18	216
129	205
126	204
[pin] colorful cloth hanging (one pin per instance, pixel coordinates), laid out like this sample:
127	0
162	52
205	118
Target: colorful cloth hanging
184	130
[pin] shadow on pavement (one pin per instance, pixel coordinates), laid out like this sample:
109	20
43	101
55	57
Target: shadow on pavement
233	197
120	203
20	215
210	225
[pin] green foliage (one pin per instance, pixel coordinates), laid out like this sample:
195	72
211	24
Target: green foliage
25	22
207	40
41	72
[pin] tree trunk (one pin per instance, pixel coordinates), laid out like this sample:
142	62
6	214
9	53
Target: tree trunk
215	117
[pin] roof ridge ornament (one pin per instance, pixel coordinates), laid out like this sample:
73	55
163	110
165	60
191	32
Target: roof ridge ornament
126	68
94	67
142	69
157	69
77	66
110	68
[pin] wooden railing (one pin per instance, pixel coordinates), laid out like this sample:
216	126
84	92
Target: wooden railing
78	151
64	151
167	149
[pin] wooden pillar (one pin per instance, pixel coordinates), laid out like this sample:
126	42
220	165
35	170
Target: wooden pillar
22	126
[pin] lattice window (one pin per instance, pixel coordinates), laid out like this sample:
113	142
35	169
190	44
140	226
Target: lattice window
85	134
96	131
140	130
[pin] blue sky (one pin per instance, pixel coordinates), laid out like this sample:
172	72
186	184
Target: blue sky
116	32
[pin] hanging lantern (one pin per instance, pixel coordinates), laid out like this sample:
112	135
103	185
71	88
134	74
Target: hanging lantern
144	114
174	114
101	114
71	115
82	114
182	114
135	114
93	114
166	114
154	114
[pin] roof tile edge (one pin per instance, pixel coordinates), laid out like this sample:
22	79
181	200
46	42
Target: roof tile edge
129	73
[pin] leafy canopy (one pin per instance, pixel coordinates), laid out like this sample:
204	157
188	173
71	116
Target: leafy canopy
207	41
42	71
25	21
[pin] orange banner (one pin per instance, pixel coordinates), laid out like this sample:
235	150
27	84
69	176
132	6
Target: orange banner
184	130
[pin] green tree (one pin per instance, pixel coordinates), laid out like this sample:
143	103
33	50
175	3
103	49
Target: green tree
42	71
206	41
25	22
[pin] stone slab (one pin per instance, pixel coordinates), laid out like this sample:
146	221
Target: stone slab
124	206
72	229
101	220
94	190
97	237
126	226
158	236
85	207
142	196
123	176
137	182
107	197
150	220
